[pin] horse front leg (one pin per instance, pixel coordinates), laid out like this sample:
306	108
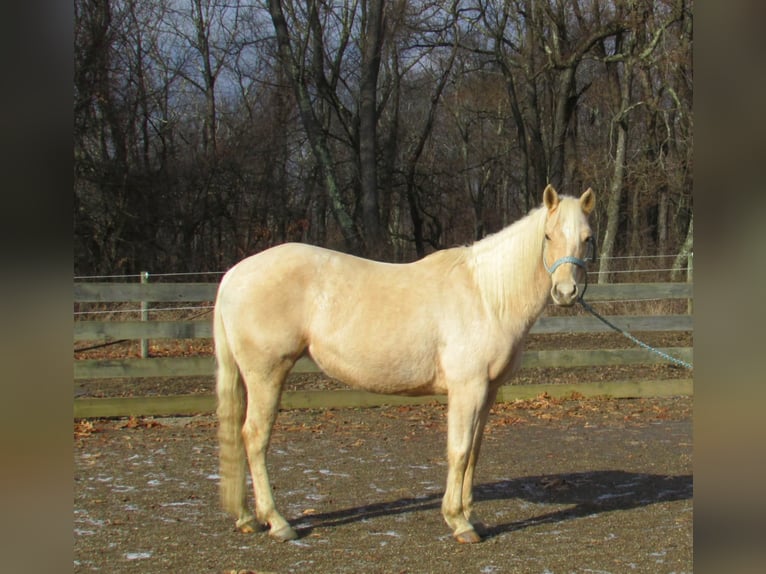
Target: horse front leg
464	419
474	456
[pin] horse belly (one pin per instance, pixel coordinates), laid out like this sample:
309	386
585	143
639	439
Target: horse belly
372	327
380	372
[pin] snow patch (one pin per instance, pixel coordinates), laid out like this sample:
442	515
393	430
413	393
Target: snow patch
138	555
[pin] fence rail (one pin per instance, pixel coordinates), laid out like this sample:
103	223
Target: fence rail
203	329
92	330
186	292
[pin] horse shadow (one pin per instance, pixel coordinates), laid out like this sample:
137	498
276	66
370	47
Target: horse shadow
582	494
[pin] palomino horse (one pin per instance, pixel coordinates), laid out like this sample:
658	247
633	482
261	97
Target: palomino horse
453	322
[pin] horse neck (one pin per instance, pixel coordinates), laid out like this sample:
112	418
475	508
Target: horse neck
508	270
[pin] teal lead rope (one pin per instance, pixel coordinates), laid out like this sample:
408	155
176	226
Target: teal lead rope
662	354
583	263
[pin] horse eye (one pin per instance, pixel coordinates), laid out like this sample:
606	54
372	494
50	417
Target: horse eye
547	237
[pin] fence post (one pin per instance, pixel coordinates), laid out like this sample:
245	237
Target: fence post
144	316
690	279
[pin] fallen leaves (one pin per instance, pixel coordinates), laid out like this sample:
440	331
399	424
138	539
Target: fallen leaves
590	411
140	422
84	428
541	401
316	428
132	349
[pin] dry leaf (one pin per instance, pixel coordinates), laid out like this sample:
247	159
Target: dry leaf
83	429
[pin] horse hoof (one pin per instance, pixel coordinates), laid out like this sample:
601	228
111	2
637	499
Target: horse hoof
468	537
284	534
249	525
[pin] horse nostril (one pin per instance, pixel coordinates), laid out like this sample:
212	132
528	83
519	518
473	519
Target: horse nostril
566	291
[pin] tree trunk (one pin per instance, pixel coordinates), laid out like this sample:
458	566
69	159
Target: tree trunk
368	121
636	225
618	174
417	149
565	104
314	130
685	254
203	45
662	221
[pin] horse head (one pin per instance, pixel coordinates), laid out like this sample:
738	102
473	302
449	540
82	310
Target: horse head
568	243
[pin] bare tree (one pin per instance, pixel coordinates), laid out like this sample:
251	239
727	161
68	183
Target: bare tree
372	39
634	51
414	150
303	59
206	130
539	47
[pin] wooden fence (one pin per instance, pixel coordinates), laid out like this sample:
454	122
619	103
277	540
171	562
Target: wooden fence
185	293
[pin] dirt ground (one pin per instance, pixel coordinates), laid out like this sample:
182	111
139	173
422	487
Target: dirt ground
563	486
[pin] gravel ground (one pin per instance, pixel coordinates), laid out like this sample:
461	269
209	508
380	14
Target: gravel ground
563	486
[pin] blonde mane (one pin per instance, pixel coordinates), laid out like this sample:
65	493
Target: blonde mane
503	263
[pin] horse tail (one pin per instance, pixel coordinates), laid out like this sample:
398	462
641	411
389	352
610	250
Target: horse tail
231	415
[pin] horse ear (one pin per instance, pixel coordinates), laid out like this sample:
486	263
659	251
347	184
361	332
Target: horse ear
550	197
588	201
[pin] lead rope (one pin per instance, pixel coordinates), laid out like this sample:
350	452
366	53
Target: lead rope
581	299
638	342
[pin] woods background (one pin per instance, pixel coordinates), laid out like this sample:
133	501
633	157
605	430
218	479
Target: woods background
207	130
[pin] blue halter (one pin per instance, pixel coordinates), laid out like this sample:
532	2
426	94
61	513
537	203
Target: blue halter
566	259
582	263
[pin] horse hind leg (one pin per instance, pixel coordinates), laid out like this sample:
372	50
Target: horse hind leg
231	413
264	392
233	470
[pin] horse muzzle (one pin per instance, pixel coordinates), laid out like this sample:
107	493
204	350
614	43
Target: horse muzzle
565	293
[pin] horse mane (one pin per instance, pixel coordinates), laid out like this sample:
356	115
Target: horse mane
505	265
